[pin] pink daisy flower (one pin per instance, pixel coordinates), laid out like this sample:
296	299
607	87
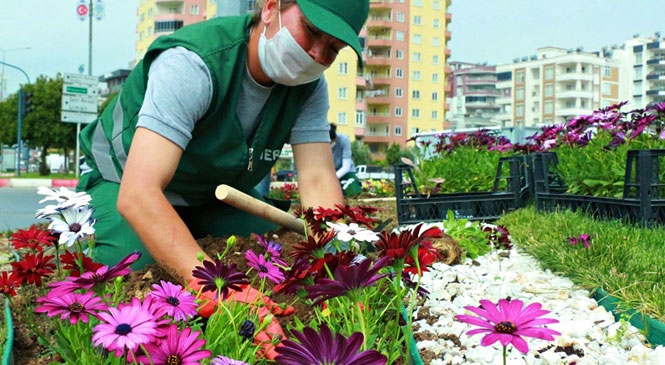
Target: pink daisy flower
265	268
75	306
178	303
508	322
183	347
124	328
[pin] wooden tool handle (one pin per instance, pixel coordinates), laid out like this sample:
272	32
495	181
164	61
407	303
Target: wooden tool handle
249	204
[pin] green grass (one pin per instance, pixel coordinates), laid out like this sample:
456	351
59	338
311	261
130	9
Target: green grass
35	175
623	259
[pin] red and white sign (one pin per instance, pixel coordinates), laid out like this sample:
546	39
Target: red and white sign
82	10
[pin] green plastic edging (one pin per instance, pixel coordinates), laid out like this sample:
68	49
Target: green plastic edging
414	358
7	355
653	330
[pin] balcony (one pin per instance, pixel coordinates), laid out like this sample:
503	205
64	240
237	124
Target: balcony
574	94
656	76
379	41
377	117
448	35
571	76
448	70
656	92
449	18
378	60
379	22
380	4
446	106
381	80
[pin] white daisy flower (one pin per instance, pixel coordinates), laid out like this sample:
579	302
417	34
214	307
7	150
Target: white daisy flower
64	197
352	231
73	224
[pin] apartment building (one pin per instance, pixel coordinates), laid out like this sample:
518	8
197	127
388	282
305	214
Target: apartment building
555	85
473	95
401	89
643	69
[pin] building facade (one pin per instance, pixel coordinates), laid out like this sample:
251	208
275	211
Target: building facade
555	85
473	95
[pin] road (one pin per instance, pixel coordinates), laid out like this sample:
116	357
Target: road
18	207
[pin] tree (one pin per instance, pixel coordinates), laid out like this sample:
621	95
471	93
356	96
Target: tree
360	153
41	127
393	154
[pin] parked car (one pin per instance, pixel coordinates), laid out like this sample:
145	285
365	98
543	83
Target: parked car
285	175
364	172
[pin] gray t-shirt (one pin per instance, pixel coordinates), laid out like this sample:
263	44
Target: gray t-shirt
179	93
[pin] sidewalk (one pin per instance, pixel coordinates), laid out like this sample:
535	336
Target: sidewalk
33	183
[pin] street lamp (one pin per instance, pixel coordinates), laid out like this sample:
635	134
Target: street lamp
3	87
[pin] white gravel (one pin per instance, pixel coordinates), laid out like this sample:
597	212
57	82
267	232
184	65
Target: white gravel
583	324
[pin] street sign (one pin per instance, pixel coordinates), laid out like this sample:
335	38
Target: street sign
89	80
77	117
79	103
80	90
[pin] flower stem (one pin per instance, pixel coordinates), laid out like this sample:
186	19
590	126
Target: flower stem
361	319
505	355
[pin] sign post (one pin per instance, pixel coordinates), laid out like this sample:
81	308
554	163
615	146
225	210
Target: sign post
79	103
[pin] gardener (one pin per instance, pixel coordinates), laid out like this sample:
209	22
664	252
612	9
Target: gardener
213	104
345	169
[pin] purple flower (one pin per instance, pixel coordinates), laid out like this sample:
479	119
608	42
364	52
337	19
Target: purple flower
89	279
223	360
265	268
583	238
349	280
324	348
182	347
75	306
180	305
124	328
508	322
219	278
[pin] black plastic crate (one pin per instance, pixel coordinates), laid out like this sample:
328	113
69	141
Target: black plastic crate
511	191
643	193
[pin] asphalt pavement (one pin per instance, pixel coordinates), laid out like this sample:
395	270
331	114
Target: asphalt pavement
18	206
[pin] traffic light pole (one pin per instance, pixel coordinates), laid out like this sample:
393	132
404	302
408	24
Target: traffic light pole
20	118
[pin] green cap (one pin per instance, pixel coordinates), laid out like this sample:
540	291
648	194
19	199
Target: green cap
342	19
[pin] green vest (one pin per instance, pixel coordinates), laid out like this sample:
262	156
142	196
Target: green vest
219	152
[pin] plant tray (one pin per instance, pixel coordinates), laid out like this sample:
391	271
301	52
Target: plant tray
414	207
643	200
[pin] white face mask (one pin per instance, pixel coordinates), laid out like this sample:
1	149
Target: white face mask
284	61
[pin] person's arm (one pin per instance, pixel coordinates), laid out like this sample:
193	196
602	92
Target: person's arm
317	183
151	163
345	169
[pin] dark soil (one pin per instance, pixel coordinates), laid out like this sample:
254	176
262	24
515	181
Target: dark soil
28	352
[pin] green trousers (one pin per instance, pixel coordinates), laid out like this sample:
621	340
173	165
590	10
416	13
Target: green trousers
350	184
115	238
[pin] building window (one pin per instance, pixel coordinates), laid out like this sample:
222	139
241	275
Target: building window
417	20
342	93
343	68
638	73
399	73
436	41
194	10
398	92
519	77
418	3
436	5
435	23
417	39
400	17
549	90
360	118
435	59
399	35
416	76
435	77
549	73
341	118
168	25
607	71
398	111
398	130
416	56
435	96
548	107
415	113
399	54
519	110
606	89
435	114
638	58
415	94
519	93
638	88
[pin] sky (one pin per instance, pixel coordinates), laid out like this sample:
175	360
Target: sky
492	31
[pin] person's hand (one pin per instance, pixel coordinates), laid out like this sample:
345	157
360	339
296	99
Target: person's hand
266	309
